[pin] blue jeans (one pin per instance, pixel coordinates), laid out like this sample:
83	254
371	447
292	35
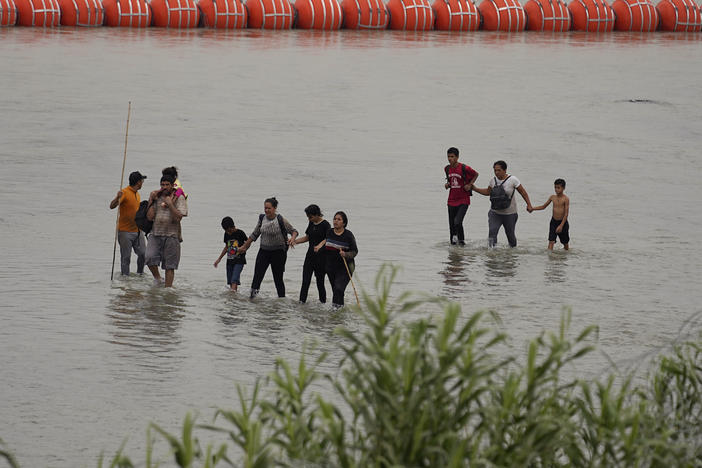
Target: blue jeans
495	220
234	272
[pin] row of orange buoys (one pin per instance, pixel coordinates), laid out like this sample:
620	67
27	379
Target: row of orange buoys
414	15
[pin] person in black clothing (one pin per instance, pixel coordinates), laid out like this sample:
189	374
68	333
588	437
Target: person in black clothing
341	249
315	233
233	239
273	230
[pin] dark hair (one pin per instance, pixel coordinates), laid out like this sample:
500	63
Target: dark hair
560	182
170	171
501	163
313	210
168	178
452	150
272	201
227	222
343	217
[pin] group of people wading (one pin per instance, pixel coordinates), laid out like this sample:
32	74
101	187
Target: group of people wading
331	252
332	247
460	181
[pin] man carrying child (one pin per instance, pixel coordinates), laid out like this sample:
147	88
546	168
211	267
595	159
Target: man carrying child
166	211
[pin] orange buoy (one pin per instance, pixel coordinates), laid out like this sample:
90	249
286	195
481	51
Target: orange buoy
222	14
411	15
635	15
318	14
127	13
81	12
45	13
270	14
591	15
8	13
502	15
365	14
679	15
174	14
547	15
456	15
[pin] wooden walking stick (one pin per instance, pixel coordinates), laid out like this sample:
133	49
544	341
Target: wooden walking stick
121	181
353	285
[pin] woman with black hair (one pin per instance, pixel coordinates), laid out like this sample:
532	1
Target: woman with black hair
341	249
315	233
273	230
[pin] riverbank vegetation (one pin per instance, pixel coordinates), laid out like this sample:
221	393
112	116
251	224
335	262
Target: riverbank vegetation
435	392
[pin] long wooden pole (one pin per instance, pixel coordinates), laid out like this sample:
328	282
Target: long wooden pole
353	285
121	182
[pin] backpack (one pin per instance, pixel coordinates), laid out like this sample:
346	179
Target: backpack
498	197
282	227
141	220
465	178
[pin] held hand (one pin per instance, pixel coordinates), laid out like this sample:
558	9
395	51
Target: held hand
447	185
291	243
467	187
530	208
342	253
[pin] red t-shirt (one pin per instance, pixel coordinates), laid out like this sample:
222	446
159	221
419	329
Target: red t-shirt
457	194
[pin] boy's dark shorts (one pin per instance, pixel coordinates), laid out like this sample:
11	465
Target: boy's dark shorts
563	235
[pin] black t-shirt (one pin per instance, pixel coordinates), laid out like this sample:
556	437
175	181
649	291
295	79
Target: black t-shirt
317	233
346	242
234	241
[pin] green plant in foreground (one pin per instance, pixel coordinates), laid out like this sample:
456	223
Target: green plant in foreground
441	392
9	458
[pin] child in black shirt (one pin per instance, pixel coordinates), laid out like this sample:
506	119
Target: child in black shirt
233	239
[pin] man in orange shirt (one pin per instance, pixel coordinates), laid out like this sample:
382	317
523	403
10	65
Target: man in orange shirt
128	234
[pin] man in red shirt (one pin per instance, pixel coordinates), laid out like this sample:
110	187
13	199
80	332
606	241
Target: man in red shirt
459	181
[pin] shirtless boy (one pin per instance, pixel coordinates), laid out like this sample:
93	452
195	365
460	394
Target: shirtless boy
559	220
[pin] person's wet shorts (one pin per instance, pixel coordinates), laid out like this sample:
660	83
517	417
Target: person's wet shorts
164	251
563	235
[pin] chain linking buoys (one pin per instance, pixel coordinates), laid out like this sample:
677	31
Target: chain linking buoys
127	13
177	14
45	13
679	15
547	15
270	14
591	15
8	13
456	15
502	15
635	15
411	15
81	12
222	14
318	14
364	14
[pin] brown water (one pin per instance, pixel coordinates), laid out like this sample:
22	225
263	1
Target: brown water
358	122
